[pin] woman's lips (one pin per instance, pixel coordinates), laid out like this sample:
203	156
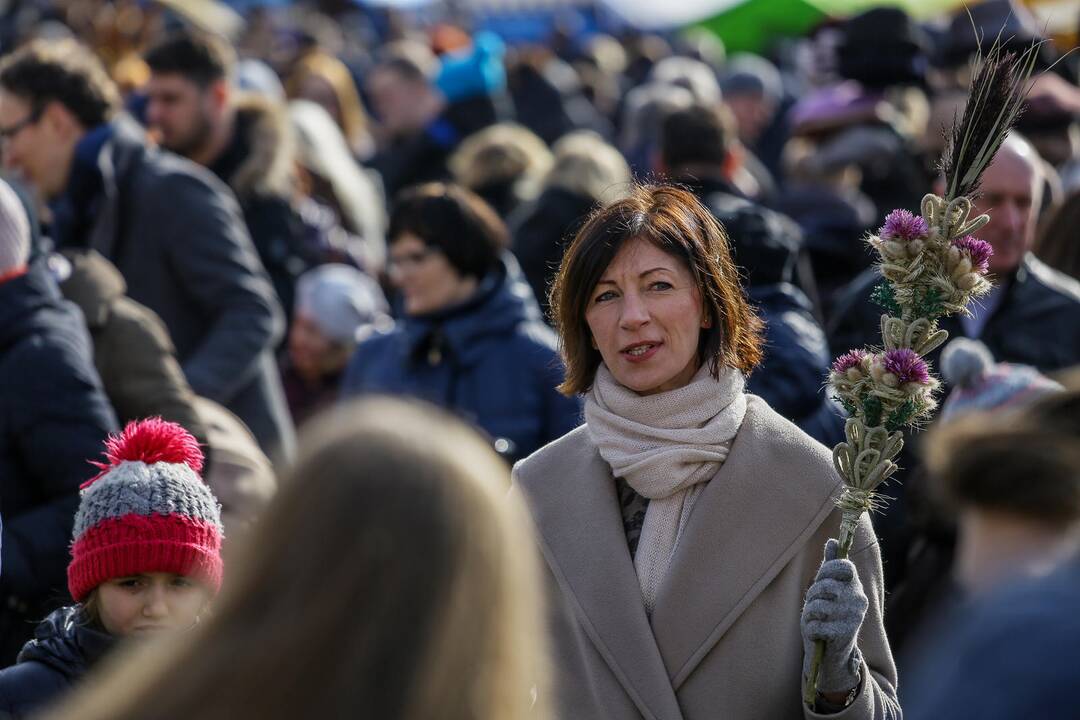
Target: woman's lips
635	354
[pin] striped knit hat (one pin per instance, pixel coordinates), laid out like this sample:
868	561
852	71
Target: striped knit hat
147	511
980	384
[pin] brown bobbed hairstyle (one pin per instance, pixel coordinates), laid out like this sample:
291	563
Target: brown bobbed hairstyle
1024	463
387	579
677	223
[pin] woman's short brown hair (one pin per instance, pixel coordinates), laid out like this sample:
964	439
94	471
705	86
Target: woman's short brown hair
677	223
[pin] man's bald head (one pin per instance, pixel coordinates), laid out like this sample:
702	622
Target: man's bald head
1011	194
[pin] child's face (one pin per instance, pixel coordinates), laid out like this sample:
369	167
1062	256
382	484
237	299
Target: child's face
150	603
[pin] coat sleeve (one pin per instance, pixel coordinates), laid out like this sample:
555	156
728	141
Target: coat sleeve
60	423
211	251
148	382
876	699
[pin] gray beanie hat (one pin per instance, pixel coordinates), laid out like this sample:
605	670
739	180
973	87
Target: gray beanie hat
340	300
14	231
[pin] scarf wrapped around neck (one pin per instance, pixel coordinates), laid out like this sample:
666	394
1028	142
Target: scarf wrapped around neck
666	446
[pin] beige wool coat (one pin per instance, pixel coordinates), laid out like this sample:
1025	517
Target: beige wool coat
724	639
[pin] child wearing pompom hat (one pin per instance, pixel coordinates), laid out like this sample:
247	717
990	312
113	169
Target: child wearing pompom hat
145	560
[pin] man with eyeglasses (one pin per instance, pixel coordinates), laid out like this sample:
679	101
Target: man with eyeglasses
171	228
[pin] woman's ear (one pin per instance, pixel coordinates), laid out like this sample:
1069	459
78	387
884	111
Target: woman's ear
706	320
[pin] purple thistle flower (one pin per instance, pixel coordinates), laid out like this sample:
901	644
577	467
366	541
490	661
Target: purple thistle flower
978	250
907	366
847	361
903	225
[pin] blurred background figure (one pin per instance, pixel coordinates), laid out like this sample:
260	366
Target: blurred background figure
504	164
246	141
470	337
1014	476
54	415
585	173
453	631
976	532
326	81
146	382
1057	244
174	233
337	306
341	202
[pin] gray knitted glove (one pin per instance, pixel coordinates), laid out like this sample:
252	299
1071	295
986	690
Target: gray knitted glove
834	610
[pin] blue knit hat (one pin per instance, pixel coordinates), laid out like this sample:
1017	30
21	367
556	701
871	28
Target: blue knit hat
980	384
474	72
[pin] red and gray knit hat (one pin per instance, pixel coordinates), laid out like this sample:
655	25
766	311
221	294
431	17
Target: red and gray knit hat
147	511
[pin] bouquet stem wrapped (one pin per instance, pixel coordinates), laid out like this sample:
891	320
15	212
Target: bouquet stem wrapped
932	266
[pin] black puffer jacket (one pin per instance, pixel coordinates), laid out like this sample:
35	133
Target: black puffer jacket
54	417
63	649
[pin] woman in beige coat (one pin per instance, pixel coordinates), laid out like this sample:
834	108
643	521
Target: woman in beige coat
683	524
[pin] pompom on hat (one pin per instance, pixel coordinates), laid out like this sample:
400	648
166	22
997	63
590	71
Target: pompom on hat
148	510
980	384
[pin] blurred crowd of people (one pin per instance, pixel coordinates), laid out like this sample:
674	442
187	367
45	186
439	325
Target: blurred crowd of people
238	230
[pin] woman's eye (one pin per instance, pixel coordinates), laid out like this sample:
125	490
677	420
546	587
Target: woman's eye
661	285
604	296
130	583
181	582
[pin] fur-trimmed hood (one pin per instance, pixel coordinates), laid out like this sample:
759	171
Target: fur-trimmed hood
266	167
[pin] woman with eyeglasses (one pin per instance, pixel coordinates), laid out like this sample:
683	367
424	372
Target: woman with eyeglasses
470	337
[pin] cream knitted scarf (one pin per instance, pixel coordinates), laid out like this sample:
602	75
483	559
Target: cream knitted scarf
666	446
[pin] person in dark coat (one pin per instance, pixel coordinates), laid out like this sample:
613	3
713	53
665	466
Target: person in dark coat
471	339
53	417
145	562
1032	317
132	350
245	140
766	246
171	228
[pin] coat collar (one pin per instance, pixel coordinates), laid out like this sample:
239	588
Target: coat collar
772	493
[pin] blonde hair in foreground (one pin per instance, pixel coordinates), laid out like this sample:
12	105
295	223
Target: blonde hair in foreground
392	577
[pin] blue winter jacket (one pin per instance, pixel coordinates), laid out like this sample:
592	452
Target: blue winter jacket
492	361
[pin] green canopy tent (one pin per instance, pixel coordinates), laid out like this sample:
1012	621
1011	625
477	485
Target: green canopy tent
752	25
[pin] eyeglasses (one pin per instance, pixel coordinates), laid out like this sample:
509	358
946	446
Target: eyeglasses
6	133
408	260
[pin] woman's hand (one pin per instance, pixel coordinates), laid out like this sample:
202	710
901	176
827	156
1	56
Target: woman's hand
834	610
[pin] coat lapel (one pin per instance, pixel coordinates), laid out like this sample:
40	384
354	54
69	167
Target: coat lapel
577	516
771	494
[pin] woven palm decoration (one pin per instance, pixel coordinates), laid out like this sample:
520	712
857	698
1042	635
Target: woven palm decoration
932	265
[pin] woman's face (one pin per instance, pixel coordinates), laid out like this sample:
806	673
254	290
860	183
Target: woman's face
150	603
646	315
425	277
313	354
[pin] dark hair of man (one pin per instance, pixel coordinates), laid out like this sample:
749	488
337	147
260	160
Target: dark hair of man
697	135
454	221
62	71
200	57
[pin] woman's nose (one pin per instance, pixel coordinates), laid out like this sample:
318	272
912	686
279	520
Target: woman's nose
635	312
